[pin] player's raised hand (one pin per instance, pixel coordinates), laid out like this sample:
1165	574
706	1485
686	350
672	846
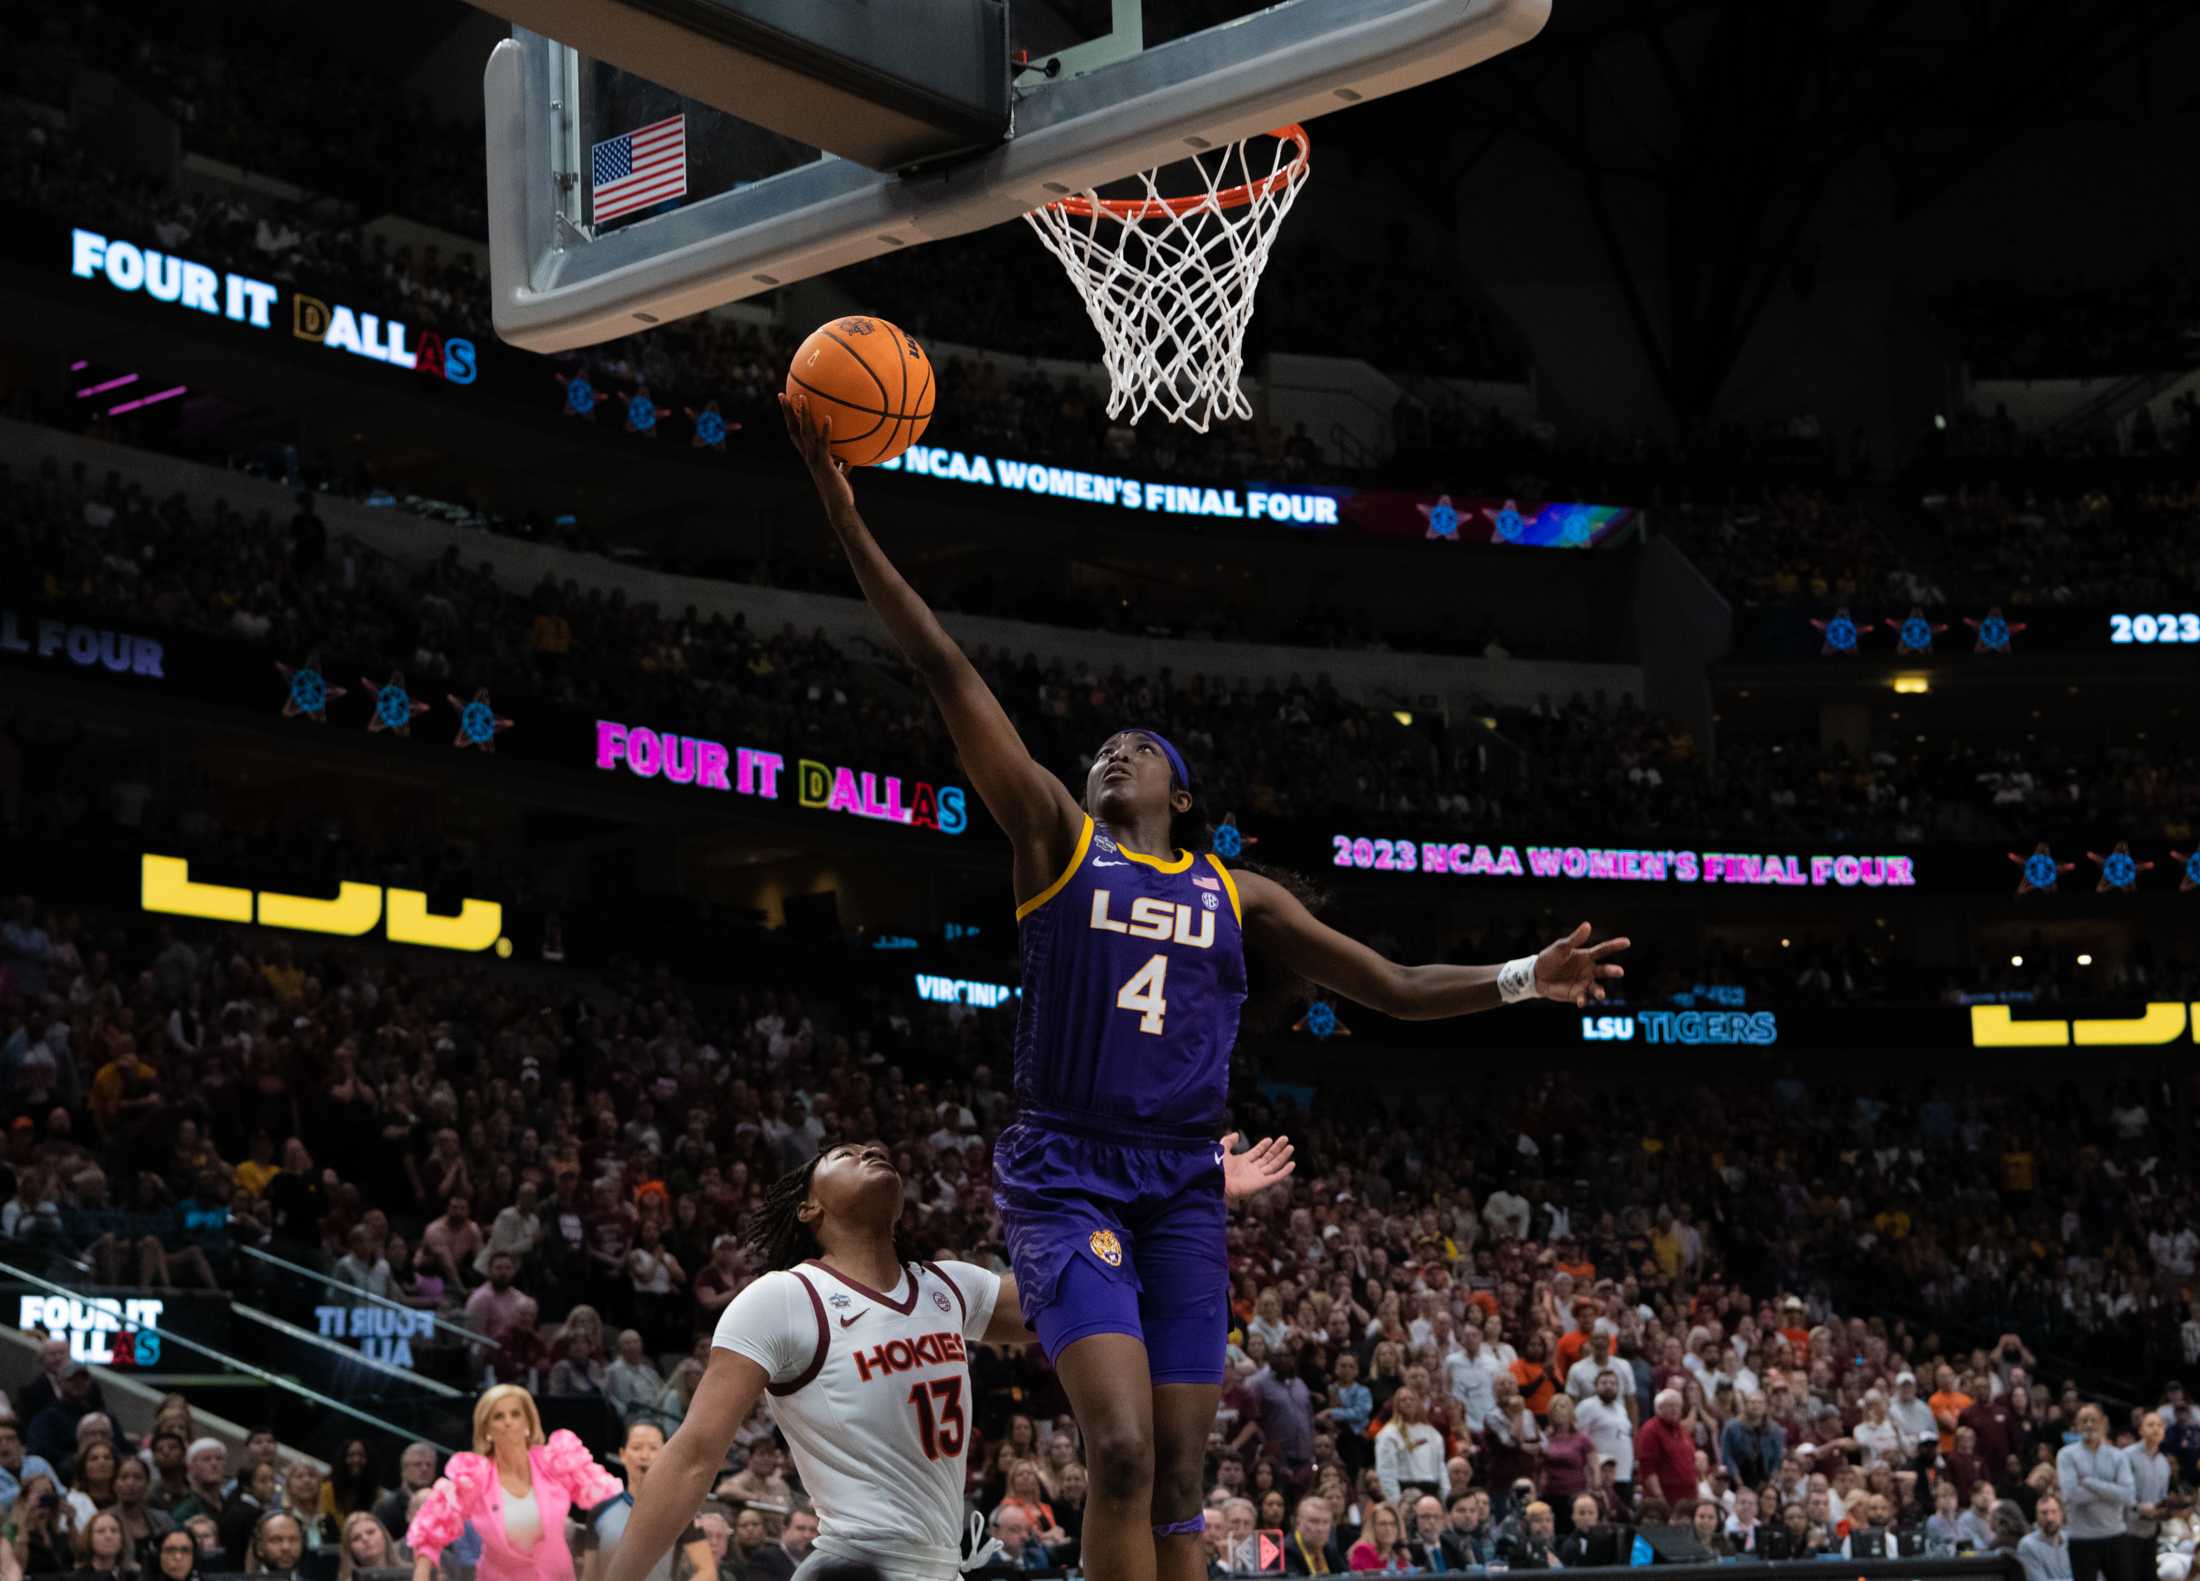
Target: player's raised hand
1573	971
1264	1164
814	444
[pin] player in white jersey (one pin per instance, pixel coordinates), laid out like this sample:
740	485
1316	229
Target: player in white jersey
862	1346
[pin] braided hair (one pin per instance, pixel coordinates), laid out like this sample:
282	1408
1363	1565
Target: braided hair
776	1234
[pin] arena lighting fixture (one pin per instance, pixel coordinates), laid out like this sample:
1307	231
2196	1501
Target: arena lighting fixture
111	384
1404	716
1913	684
2085	960
1783	944
2016	960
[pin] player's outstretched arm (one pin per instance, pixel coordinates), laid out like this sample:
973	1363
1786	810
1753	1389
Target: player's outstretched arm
1032	806
1570	970
680	1477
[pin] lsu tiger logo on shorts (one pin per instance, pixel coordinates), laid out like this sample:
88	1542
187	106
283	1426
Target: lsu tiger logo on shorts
1106	1247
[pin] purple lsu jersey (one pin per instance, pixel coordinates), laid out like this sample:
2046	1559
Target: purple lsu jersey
1134	973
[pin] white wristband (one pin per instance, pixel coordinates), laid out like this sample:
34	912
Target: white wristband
1516	980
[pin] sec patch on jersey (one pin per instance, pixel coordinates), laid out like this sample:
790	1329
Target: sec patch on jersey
1106	1247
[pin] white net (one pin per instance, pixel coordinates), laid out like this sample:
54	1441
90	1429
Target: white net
1169	281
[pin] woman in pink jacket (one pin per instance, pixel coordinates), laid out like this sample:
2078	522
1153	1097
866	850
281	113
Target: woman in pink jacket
516	1490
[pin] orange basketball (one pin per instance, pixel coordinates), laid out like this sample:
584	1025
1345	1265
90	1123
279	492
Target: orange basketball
872	380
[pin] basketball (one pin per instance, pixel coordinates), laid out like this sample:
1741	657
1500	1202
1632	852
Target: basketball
872	379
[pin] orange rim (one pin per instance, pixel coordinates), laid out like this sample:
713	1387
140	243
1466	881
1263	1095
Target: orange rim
1131	210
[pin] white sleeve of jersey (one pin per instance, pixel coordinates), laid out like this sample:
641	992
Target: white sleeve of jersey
981	1291
772	1324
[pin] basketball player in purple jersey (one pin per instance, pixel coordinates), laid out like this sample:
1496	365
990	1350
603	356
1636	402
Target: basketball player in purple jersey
1109	1183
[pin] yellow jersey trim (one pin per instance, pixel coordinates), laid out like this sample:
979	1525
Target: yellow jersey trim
1158	864
1076	860
1237	907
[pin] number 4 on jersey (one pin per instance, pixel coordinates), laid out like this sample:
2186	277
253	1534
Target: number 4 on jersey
1143	993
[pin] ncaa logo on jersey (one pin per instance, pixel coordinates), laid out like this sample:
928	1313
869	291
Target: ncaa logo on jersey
1102	841
838	1298
1106	1247
939	1299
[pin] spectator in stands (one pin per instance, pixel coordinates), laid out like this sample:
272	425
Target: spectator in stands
1944	1527
298	1200
45	1388
1409	1453
453	1241
52	1436
16	1466
206	1464
1569	1459
45	1541
498	1307
632	1385
1012	1529
1530	1546
171	1478
1283	1406
517	1229
352	1485
761	1481
1381	1545
415	1474
367	1546
363	1267
1912	1417
2097	1498
1750	1446
2045	1551
1426	1547
206	1532
305	1495
779	1561
1975	1526
143	1526
258	1493
1512	1438
1665	1452
105	1550
278	1544
177	1558
1311	1549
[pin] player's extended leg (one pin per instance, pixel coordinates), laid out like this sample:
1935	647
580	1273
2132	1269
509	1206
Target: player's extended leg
1183	1420
1183	1273
1106	1380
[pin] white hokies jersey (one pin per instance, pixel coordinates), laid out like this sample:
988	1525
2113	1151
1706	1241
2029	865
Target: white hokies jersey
873	1394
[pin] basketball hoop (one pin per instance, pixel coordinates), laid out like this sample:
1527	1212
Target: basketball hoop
1169	281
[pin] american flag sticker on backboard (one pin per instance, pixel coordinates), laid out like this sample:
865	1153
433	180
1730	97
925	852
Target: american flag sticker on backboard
636	170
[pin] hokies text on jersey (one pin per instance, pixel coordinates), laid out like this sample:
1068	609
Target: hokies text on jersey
905	1355
1154	918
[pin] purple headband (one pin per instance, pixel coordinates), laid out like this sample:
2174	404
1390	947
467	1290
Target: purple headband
1168	750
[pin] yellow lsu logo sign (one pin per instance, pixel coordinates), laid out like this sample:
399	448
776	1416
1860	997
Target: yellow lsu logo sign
166	885
1993	1027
